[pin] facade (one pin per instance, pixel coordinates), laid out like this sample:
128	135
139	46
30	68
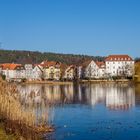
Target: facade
28	71
119	65
69	72
51	70
37	73
101	70
92	69
12	71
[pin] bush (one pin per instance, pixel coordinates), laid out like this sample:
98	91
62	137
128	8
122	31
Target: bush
3	77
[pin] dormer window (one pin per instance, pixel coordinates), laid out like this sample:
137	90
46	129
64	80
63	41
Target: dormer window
122	59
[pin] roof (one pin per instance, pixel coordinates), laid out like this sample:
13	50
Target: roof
86	63
49	63
118	58
10	66
70	67
100	64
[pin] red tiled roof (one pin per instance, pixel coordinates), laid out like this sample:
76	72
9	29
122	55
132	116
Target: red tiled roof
9	66
100	64
49	63
118	58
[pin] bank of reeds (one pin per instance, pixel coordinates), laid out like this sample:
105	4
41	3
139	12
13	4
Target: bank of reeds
17	119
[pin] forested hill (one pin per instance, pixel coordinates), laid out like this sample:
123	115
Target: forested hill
14	56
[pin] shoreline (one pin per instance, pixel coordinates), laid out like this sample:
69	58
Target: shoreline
80	81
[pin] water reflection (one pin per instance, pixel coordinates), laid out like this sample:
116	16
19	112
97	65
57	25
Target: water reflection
84	109
113	96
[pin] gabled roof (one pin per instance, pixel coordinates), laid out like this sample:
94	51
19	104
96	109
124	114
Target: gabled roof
70	67
50	63
118	58
10	66
38	66
86	63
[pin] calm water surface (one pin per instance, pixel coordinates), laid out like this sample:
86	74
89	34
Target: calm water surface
86	111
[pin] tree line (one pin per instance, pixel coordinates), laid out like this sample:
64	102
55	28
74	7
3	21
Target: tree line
34	57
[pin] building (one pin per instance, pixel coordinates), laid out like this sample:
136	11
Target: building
119	65
12	71
92	69
28	71
51	70
37	73
69	73
101	69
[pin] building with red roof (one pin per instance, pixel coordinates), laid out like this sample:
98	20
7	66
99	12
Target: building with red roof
119	65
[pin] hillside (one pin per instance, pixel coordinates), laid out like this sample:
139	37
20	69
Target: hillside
15	56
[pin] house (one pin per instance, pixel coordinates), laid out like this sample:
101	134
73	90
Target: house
78	72
20	72
101	70
37	73
69	73
119	65
51	70
13	71
92	69
28	71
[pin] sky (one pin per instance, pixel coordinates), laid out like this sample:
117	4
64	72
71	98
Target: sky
92	27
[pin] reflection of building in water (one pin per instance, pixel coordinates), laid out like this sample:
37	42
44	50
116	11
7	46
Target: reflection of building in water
116	96
59	94
120	97
40	97
91	94
97	94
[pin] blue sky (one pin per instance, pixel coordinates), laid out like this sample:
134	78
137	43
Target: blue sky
93	27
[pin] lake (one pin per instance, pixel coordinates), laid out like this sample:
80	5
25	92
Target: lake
107	111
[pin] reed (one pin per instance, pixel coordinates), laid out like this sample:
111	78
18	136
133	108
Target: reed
18	119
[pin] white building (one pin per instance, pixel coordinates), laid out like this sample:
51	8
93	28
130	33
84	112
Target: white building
92	69
69	73
119	65
12	71
101	69
28	71
37	73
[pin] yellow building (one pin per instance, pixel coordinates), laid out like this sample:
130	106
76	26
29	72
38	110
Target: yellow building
52	70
